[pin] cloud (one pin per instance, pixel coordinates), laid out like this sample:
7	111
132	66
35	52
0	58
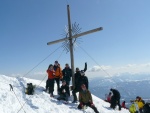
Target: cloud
98	68
40	73
16	75
113	70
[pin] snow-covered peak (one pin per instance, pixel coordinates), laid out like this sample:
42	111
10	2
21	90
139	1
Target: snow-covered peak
17	101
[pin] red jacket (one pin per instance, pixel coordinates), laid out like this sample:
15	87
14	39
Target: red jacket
51	74
123	105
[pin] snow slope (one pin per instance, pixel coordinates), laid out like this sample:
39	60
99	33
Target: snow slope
40	102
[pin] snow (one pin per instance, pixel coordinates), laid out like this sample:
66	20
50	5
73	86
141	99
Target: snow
40	102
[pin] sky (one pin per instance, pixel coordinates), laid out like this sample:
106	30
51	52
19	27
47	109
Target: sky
27	25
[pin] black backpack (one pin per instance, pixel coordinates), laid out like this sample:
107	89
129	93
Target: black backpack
30	89
146	108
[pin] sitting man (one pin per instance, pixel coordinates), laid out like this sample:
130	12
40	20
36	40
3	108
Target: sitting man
85	99
64	92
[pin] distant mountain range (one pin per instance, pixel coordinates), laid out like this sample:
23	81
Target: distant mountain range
128	85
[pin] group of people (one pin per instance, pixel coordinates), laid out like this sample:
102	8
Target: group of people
81	85
56	74
138	105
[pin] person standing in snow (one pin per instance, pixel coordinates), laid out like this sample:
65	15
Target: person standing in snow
115	99
64	92
50	81
58	74
67	74
85	99
80	79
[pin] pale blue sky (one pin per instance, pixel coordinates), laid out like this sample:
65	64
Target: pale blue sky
27	25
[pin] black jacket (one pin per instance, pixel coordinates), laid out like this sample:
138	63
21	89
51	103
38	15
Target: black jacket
116	94
79	80
67	74
84	80
66	88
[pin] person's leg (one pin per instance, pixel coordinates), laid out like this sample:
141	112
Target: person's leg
113	103
58	83
93	107
74	95
46	84
51	86
66	96
118	103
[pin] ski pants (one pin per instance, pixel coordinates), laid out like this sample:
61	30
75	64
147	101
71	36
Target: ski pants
115	102
58	83
50	85
88	104
74	94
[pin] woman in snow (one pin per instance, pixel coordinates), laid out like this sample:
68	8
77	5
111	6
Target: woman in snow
50	81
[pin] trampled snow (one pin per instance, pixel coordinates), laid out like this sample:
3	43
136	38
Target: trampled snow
17	101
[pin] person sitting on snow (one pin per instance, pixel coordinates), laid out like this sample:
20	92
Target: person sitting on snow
123	105
64	92
115	99
108	97
140	103
85	99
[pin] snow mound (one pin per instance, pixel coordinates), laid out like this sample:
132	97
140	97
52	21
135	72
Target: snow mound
17	101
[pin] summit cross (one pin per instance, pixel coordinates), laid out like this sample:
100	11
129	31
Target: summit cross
70	37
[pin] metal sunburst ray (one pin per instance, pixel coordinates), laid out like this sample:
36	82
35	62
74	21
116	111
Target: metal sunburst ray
75	30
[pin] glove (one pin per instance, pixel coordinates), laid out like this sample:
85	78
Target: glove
92	105
81	105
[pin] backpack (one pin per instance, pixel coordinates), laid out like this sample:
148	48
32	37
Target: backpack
133	108
30	89
146	108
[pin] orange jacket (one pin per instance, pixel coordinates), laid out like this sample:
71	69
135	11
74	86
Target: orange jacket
51	74
58	72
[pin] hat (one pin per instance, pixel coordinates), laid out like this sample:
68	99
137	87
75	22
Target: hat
137	97
56	61
77	69
67	64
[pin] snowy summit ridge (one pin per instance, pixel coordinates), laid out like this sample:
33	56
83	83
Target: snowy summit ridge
17	101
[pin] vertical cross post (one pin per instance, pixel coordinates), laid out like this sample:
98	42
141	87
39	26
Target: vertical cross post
71	44
71	41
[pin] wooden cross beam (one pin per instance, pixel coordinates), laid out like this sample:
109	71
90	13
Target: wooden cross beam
71	42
